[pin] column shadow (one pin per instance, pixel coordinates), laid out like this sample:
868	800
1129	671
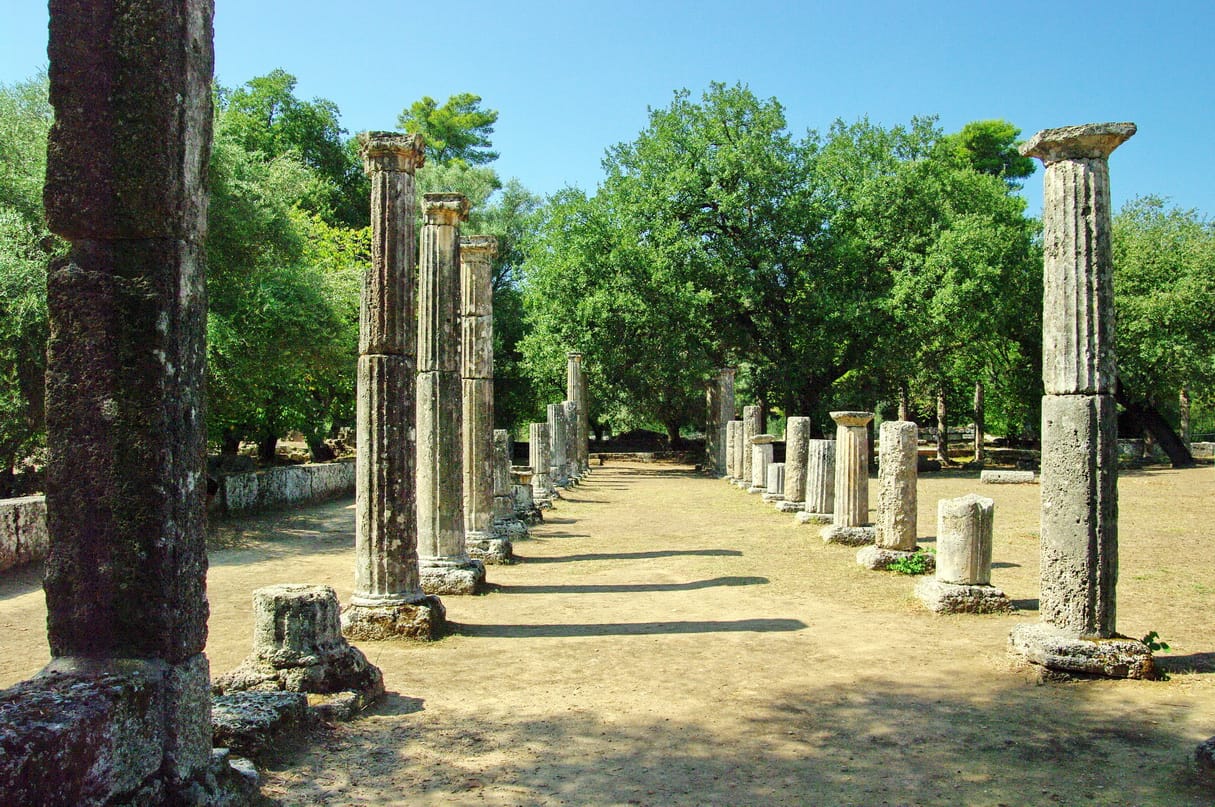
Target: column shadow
627	628
630	588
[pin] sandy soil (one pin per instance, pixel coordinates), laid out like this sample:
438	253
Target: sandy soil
669	639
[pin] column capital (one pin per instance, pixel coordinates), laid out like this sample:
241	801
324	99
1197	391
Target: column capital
1089	141
852	418
391	151
479	245
444	208
574	354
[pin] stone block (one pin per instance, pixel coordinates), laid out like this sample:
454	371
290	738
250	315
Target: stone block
877	558
848	536
451	578
492	551
954	598
250	723
1204	756
239	492
805	517
424	619
1007	477
23	535
1055	649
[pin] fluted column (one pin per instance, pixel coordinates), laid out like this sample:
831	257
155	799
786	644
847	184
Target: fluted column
388	599
575	391
1079	564
895	534
442	555
477	374
571	440
538	448
797	443
751	427
963	563
819	507
731	448
557	444
849	525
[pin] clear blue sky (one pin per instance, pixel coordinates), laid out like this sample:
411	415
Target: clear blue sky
571	78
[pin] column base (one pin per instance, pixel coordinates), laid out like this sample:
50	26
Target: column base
1055	649
464	576
490	549
510	528
757	489
813	518
960	598
879	558
773	497
741	483
849	536
423	619
786	506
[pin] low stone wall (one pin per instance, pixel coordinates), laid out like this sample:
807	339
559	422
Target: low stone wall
281	487
22	531
1202	451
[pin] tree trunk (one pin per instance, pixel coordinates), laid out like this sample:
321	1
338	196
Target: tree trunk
1183	404
7	478
942	428
266	448
673	439
598	428
1149	421
980	426
904	402
318	449
229	443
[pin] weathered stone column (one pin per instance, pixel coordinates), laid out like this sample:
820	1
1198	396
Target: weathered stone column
388	600
719	407
963	579
1079	565
571	441
774	490
761	457
557	443
538	448
443	558
506	522
820	483
575	390
895	534
731	448
797	443
751	427
477	376
850	522
122	712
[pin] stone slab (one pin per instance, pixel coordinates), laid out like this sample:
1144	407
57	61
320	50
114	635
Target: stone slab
250	723
1117	657
955	598
849	536
424	620
813	518
465	578
877	558
1008	477
786	506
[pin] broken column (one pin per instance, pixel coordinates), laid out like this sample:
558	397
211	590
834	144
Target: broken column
477	404
963	573
820	483
557	443
849	524
774	491
895	533
797	443
751	427
506	523
761	457
538	448
388	600
122	712
575	391
443	558
1079	564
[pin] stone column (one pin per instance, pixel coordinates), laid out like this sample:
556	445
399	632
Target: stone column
751	427
761	458
894	538
557	443
797	443
963	579
442	555
850	522
575	390
122	712
388	600
731	448
774	491
725	410
538	447
1079	565
571	441
477	375
820	483
506	522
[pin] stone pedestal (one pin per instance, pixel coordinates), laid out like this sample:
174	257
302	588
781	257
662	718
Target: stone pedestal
774	490
298	647
557	442
963	579
388	600
538	448
849	524
761	457
1079	565
895	532
820	483
797	444
443	559
751	427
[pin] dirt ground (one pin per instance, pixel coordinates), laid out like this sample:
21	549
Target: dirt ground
668	639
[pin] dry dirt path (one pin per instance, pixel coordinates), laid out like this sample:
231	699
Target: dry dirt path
668	639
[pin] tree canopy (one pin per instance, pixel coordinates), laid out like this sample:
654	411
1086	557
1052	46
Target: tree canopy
458	130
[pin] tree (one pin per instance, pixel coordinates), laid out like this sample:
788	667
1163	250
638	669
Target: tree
1164	292
458	130
990	147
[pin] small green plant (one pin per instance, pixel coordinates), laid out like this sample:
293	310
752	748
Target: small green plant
912	564
1154	642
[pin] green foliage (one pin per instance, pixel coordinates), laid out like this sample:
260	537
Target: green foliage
914	564
1155	643
458	130
990	147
